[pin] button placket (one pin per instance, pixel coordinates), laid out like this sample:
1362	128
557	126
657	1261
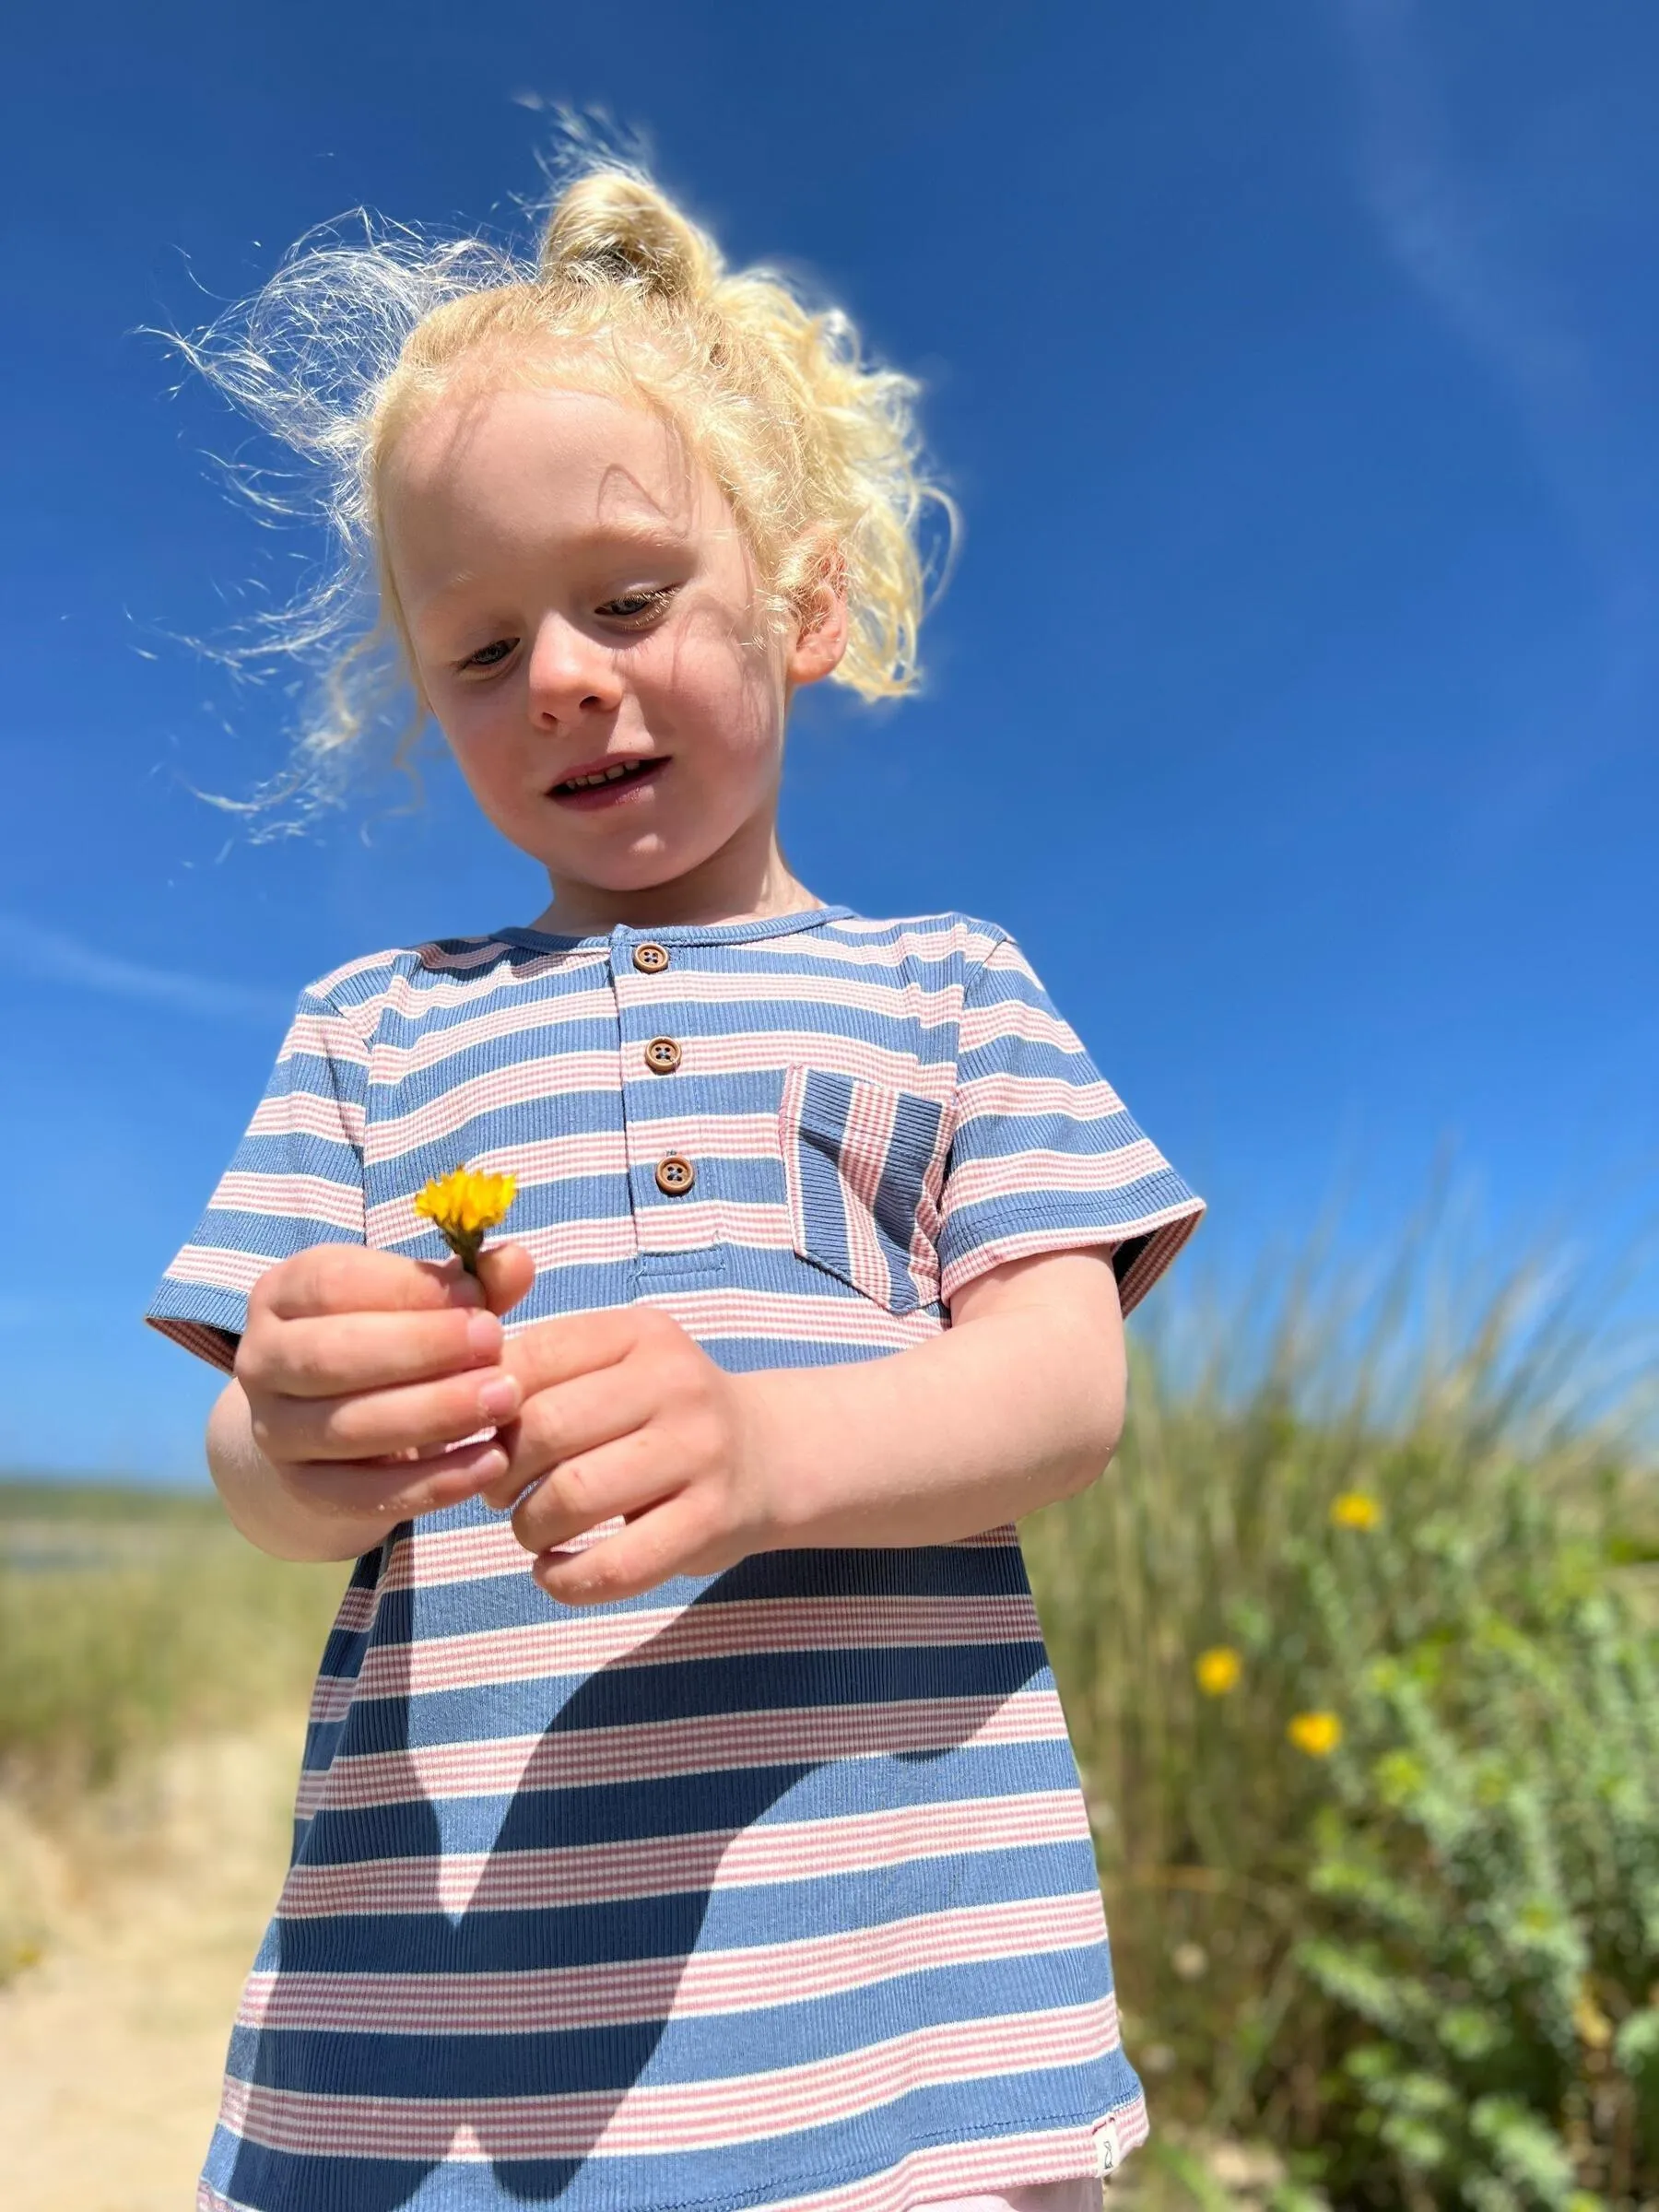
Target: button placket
662	1169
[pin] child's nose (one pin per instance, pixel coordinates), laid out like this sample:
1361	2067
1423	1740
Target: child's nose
571	675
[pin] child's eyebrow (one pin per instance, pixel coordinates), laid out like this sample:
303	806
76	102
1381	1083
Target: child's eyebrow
604	538
628	535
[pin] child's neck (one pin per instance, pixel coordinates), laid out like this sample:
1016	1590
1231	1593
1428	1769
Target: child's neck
714	892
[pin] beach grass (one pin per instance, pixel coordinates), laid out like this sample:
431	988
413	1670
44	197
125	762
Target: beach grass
1356	1640
129	1617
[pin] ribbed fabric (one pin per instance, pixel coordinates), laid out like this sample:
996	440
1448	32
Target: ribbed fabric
773	1887
1080	2195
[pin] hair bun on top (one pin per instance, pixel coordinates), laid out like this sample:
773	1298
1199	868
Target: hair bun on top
616	228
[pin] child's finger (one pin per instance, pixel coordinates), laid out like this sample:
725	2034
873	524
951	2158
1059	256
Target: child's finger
328	1356
354	1278
624	1475
399	1492
506	1272
366	1425
581	1344
574	1417
670	1539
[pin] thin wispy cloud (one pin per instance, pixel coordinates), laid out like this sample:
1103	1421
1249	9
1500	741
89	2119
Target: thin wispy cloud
1484	245
1466	242
48	956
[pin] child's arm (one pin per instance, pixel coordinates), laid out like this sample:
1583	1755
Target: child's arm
1020	1402
360	1372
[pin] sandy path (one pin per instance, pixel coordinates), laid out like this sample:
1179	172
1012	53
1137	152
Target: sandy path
110	2048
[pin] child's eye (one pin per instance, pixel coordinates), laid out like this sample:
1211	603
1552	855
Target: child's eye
635	606
490	656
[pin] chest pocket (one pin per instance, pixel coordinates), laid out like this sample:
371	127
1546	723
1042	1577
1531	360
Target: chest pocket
863	1166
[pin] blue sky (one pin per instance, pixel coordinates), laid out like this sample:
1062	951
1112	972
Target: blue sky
1294	701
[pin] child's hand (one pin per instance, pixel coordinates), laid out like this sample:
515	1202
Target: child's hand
360	1366
624	1414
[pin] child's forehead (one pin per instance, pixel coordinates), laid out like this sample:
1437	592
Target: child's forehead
581	459
631	462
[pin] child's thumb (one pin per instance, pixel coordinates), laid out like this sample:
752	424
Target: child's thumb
506	1272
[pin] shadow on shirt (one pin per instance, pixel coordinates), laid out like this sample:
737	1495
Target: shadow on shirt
865	1715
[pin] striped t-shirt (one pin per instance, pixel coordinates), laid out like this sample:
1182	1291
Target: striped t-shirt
767	1887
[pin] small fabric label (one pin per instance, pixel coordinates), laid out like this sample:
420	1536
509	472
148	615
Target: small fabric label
1109	2150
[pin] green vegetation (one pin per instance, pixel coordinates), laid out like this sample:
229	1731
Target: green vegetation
1362	1677
127	1616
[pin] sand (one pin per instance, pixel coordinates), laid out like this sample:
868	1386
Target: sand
112	2045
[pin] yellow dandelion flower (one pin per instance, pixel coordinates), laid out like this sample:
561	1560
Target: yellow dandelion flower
1355	1509
464	1206
1594	2028
1218	1670
1317	1734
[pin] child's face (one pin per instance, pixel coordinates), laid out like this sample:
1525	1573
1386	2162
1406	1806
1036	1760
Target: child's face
578	599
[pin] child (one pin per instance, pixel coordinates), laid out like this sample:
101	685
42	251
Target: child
687	1818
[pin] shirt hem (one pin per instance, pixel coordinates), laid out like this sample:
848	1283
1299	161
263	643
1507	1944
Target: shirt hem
1080	2147
1159	1237
208	1340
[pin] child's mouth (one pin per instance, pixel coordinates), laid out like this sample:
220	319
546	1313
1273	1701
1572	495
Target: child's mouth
606	782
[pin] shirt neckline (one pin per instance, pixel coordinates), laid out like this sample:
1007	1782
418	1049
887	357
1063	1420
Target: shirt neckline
682	933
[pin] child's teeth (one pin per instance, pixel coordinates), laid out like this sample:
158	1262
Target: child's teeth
606	775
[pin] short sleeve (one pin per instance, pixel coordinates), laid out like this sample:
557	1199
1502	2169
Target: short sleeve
1043	1156
296	1180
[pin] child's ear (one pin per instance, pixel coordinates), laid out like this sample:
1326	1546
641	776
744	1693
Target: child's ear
821	633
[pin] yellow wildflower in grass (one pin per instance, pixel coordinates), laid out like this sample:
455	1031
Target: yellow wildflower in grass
464	1206
1595	2028
1317	1734
1355	1509
1218	1670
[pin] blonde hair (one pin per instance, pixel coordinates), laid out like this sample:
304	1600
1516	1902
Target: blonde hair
817	450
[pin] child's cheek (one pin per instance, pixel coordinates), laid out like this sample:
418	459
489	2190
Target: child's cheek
494	761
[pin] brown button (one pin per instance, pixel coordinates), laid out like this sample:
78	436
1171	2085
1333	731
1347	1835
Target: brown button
674	1176
662	1055
650	960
